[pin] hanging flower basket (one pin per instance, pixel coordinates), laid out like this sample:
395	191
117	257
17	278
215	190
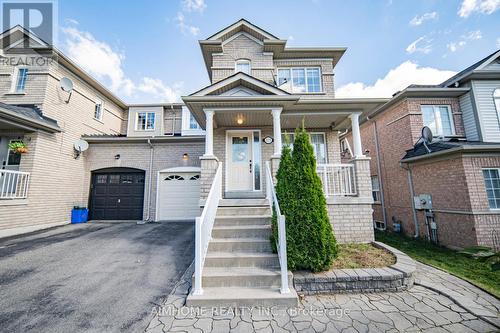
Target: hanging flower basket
19	147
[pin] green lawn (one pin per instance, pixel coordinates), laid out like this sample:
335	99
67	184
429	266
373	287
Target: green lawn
476	271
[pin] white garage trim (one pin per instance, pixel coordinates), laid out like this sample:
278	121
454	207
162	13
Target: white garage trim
180	171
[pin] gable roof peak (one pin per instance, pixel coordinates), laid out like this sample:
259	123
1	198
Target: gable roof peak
245	26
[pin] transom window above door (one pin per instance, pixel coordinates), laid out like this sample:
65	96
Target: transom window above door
300	80
243	65
439	119
145	121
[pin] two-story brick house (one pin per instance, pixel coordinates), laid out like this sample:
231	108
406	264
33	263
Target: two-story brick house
459	169
214	155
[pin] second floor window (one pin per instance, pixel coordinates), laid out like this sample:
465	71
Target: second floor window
20	80
193	124
243	65
145	121
98	110
300	79
439	119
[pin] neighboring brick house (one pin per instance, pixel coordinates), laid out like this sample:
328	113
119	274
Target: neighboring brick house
461	169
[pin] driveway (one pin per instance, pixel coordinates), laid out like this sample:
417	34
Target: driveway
95	277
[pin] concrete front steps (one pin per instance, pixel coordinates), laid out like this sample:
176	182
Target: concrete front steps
240	268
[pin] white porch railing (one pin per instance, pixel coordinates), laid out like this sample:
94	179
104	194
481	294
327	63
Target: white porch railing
337	179
14	184
203	229
281	241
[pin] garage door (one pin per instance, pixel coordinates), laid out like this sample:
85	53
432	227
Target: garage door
117	194
179	195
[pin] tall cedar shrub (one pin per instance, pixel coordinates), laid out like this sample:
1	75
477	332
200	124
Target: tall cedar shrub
283	190
311	244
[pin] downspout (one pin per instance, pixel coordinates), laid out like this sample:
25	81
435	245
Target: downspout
150	180
379	172
412	194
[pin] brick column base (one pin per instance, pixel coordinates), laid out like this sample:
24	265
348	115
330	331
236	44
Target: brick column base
208	168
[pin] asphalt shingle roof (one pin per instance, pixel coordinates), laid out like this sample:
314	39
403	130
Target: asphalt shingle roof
30	112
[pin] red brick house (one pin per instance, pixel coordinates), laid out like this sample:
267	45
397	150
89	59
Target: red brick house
459	171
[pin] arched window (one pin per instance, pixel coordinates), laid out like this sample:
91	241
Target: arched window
496	98
243	65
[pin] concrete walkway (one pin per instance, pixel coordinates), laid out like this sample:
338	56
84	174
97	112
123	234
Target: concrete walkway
466	309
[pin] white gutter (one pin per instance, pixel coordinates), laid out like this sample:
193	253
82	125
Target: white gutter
150	180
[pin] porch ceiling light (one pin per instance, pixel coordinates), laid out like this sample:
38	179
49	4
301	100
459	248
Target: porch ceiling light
239	120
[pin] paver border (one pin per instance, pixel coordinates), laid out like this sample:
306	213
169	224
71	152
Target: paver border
397	277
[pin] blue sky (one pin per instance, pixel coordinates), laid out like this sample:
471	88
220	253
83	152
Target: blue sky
147	51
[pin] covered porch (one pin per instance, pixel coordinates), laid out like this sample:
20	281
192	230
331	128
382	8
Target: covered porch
15	123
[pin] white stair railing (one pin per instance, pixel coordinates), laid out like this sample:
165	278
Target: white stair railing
14	184
337	179
281	241
203	229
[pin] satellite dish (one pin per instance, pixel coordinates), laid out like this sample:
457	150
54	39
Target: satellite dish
427	135
66	84
81	145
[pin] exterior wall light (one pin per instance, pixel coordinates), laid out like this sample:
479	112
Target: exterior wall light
185	157
117	156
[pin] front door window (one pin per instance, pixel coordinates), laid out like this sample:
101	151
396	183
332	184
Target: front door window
244	161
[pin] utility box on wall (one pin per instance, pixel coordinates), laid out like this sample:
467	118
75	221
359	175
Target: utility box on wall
423	201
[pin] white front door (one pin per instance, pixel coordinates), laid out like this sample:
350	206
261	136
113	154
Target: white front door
239	161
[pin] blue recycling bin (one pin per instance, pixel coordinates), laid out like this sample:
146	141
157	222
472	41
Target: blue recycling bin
79	215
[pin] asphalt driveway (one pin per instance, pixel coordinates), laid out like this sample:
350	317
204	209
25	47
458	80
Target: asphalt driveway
96	277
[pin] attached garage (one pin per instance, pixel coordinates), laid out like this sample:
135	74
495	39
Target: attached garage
117	194
178	194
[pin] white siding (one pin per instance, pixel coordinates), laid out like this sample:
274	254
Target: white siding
483	92
494	66
469	118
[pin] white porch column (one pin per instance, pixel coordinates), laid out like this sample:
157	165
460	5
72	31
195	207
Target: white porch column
209	133
277	131
356	135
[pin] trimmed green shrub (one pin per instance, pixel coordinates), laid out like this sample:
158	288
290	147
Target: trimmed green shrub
311	244
283	191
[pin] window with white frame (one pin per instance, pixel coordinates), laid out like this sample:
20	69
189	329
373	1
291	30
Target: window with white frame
375	189
189	124
145	121
300	79
380	225
193	124
20	77
243	65
317	140
439	119
98	110
492	184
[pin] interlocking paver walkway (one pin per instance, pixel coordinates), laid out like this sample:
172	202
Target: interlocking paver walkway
416	310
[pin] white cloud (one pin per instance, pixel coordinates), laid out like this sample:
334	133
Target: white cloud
194	5
158	90
454	46
397	79
100	60
186	28
498	42
472	35
478	6
71	21
422	45
418	20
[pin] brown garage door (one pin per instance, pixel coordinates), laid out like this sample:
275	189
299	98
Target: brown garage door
117	194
